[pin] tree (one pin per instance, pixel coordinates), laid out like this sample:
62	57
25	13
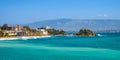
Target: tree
85	32
4	27
26	28
56	32
1	33
0	27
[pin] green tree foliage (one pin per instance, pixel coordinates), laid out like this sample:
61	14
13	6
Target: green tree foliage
85	32
56	32
26	28
1	33
4	27
0	27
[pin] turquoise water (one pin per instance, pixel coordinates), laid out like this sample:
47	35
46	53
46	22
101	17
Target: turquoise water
104	47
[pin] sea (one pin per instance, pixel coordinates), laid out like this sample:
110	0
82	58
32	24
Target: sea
105	46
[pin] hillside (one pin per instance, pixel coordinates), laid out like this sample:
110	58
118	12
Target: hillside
76	24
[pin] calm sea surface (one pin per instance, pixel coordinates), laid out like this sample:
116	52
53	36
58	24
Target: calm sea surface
106	46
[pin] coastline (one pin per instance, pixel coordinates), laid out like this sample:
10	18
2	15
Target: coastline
22	37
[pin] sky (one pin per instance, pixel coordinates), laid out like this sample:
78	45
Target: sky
28	11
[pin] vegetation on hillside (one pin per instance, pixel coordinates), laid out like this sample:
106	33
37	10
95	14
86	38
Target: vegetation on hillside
85	32
1	33
4	27
56	32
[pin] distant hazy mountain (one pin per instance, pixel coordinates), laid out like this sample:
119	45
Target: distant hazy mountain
76	24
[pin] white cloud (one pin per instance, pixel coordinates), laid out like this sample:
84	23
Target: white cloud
103	15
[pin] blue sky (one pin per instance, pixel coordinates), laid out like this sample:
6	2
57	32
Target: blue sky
27	11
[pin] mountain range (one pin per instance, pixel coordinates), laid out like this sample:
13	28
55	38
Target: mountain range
76	24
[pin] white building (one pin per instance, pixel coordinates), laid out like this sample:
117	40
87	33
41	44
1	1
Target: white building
44	32
47	27
10	32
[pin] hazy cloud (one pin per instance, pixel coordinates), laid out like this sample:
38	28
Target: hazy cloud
103	15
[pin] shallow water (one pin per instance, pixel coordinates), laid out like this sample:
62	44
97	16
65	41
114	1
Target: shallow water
103	47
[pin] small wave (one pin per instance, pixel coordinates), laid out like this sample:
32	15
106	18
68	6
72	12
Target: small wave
99	35
34	37
9	38
24	37
70	35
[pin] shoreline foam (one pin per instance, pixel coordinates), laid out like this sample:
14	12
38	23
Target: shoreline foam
23	37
